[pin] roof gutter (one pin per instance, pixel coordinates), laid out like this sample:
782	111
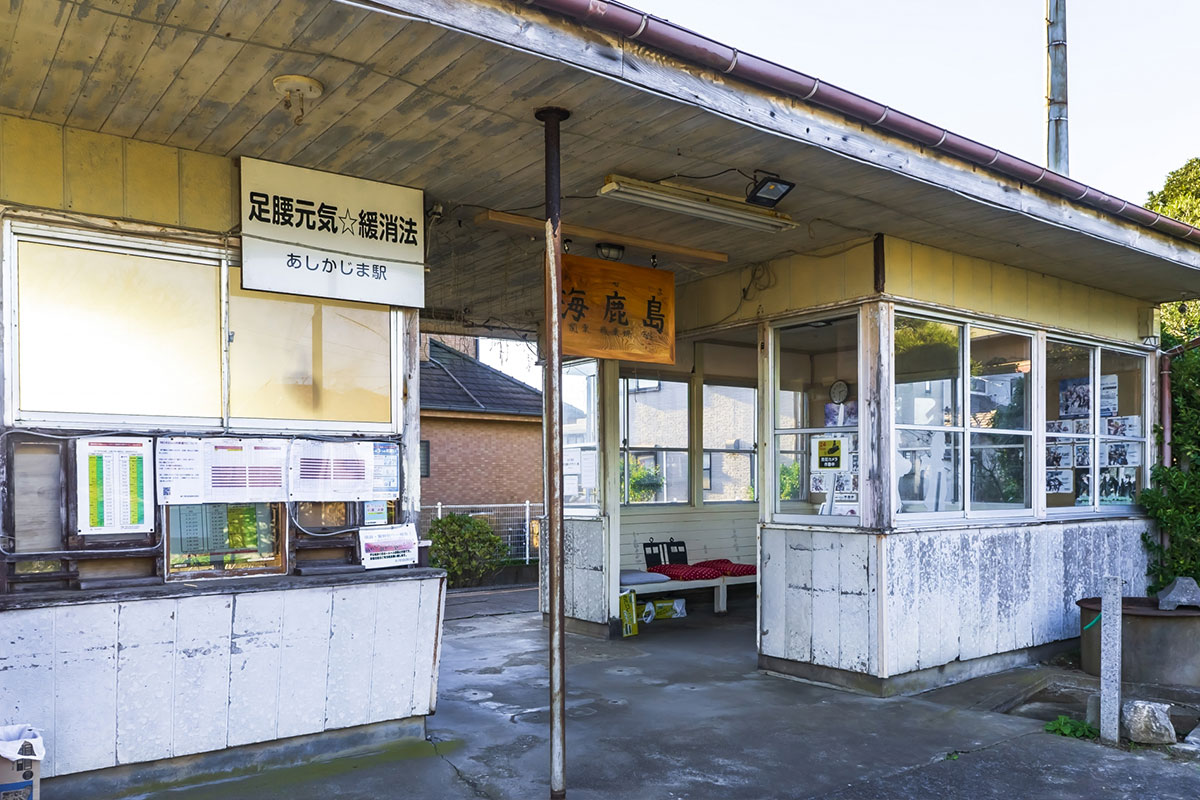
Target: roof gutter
682	43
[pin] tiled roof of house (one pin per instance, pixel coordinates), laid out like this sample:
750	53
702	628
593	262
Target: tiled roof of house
453	381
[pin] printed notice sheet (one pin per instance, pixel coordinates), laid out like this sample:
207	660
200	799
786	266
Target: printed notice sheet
221	470
114	476
387	470
393	546
320	470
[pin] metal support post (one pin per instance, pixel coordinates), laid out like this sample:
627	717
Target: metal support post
1056	87
527	520
552	425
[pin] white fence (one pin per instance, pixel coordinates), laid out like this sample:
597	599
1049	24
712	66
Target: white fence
512	522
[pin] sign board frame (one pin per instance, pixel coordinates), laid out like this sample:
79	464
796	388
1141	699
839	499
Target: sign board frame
619	311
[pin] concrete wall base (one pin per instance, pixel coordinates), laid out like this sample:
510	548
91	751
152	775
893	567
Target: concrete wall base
151	778
596	630
918	681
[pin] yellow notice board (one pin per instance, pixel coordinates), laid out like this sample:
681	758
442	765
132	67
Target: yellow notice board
829	453
618	311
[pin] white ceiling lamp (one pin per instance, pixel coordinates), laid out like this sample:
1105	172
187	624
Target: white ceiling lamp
695	203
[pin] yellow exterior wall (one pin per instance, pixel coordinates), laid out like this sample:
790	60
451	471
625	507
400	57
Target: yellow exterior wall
67	169
918	272
795	282
931	275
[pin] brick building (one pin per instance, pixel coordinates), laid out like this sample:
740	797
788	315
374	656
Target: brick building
481	431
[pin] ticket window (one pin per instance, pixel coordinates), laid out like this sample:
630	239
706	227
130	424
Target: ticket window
222	539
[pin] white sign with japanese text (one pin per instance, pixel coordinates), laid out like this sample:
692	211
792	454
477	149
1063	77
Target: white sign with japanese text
323	235
393	546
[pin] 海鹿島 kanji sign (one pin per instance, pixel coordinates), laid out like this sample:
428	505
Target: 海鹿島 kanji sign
617	311
315	233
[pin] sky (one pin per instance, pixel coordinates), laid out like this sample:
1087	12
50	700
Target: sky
978	67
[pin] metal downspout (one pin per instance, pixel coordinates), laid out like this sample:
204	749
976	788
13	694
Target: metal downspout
682	43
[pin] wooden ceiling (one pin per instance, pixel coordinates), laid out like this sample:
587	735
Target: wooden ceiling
411	103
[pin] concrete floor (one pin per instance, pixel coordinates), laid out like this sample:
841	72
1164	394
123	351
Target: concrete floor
681	712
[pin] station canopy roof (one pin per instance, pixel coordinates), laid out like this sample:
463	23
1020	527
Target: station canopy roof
441	95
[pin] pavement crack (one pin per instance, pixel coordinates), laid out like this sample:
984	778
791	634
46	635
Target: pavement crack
937	759
472	784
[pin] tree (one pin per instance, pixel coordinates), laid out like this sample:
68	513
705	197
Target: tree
1180	196
1173	499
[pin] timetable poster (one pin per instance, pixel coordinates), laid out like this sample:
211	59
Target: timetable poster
114	480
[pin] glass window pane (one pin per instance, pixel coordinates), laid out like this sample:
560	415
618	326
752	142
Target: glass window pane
224	537
1068	388
37	497
1000	369
1119	485
657	414
792	478
655	476
1121	395
999	472
161	355
729	417
806	491
728	476
1068	472
927	372
929	470
581	485
321	514
812	359
307	358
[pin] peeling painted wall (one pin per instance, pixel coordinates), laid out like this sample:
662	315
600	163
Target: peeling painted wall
892	604
962	594
125	682
585	587
818	598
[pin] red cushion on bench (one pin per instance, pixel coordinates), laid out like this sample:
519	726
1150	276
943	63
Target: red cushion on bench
685	572
727	567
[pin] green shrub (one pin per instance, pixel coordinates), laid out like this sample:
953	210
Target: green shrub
1173	499
466	548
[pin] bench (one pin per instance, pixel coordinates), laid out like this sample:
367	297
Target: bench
673	552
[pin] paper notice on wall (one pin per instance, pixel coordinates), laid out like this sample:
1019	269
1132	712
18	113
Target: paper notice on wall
179	462
331	471
1109	395
375	512
587	466
386	480
391	546
221	470
245	470
114	476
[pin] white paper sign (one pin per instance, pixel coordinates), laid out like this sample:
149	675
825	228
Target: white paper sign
386	480
392	546
179	462
335	234
297	269
221	470
114	477
326	471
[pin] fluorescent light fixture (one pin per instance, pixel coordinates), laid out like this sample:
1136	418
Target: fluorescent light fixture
695	203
